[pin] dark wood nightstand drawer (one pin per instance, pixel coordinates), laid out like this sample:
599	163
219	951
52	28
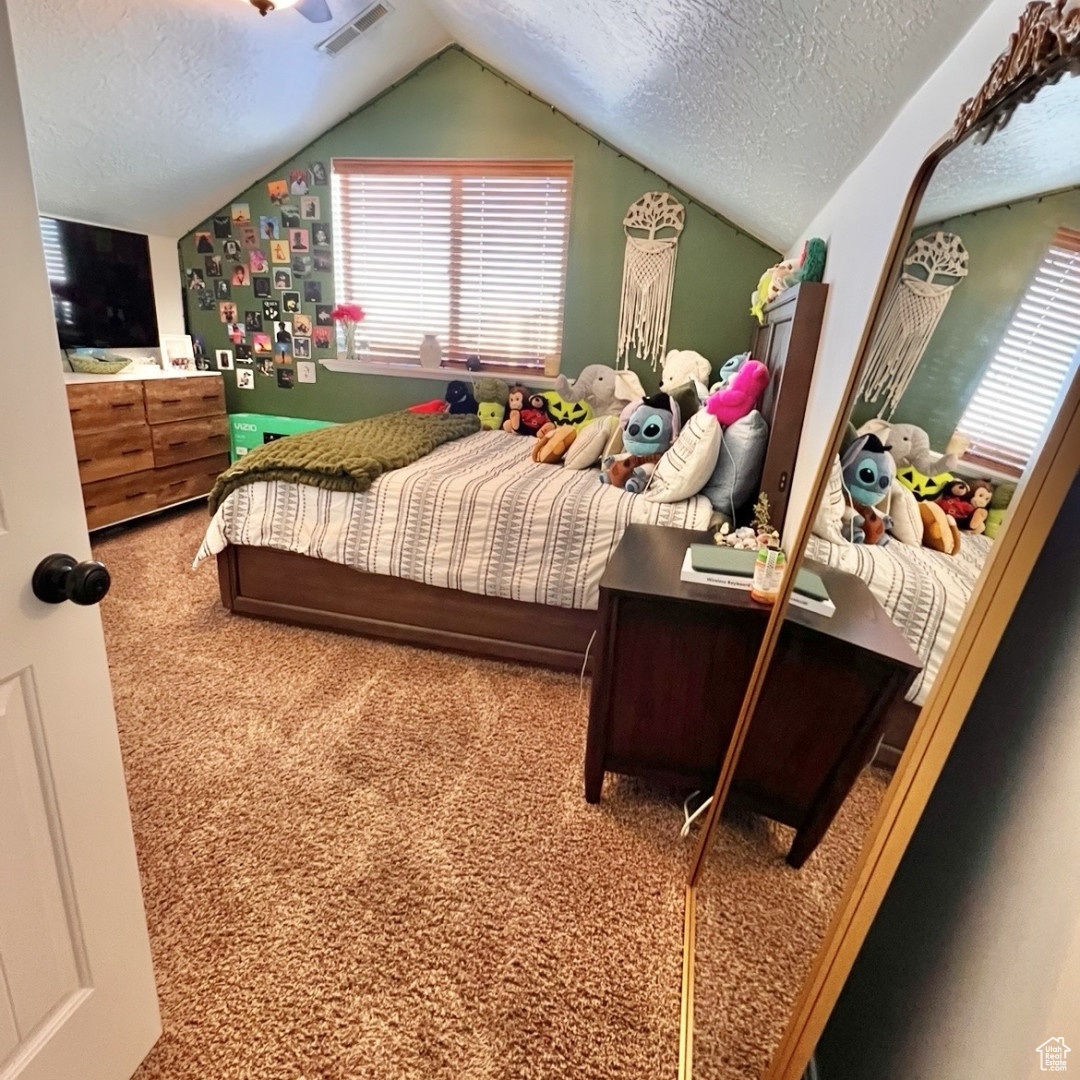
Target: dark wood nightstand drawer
100	406
673	662
122	449
120	497
183	398
189	440
189	479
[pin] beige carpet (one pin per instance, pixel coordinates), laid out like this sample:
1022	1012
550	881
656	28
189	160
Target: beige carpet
743	995
365	860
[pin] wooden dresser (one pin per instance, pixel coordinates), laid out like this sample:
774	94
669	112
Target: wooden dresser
146	443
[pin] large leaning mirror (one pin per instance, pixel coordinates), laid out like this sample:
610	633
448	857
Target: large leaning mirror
959	396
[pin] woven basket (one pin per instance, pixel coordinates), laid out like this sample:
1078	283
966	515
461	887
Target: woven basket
89	365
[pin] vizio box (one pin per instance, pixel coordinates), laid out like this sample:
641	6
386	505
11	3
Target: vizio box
248	430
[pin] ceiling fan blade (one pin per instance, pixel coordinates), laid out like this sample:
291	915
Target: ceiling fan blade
316	11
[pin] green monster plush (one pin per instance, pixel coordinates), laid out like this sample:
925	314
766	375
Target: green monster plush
491	397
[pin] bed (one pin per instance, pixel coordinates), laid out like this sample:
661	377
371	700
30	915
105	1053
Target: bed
475	518
523	584
925	594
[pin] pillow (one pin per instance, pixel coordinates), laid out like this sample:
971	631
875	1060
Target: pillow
829	522
685	469
995	518
687	399
591	443
903	508
734	481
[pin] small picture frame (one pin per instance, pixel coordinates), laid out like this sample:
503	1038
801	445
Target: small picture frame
177	352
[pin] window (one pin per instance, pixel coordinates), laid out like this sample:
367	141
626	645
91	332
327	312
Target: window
56	268
1008	413
473	252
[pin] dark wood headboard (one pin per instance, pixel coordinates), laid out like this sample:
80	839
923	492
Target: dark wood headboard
787	345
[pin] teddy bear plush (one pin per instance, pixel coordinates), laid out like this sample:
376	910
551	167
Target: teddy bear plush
682	366
552	442
955	499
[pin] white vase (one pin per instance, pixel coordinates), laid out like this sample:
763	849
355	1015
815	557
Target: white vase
430	352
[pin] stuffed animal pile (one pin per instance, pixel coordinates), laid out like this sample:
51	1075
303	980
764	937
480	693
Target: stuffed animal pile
810	266
947	504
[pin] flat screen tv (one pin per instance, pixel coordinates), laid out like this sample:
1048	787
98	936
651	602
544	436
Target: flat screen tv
102	288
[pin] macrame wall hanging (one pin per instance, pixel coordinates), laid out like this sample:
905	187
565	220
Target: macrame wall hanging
933	267
652	226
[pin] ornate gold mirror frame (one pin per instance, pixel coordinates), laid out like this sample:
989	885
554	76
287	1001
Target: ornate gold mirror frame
1045	46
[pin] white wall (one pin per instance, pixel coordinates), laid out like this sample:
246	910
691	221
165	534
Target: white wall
974	958
859	220
168	287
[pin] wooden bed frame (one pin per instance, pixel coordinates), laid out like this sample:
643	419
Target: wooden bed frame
292	588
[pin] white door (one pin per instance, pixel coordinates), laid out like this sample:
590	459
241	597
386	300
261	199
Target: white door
77	998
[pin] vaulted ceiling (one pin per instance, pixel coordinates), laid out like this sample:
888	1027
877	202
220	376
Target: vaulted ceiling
149	114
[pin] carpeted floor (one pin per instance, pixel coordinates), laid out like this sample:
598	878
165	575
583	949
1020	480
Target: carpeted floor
366	860
743	995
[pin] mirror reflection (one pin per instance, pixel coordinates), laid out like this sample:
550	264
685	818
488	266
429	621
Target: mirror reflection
975	341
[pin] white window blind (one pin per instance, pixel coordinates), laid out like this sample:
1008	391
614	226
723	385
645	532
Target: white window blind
471	251
1009	411
56	267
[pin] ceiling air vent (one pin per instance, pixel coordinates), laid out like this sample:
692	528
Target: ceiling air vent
353	29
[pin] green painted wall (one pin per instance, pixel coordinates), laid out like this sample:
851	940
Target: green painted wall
1005	246
455	108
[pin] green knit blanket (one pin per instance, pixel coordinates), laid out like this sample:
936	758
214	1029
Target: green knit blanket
347	457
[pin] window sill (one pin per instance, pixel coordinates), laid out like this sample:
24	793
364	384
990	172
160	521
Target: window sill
441	374
977	468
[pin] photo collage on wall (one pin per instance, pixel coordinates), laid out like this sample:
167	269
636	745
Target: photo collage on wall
259	282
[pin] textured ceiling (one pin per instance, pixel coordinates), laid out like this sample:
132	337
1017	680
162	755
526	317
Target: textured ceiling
149	114
757	107
1037	152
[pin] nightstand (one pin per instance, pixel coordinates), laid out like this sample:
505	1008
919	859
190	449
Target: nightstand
672	665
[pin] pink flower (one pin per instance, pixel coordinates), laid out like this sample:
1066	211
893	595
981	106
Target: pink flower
347	313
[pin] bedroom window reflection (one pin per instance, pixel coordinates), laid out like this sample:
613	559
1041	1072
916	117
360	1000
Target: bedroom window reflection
473	252
1015	399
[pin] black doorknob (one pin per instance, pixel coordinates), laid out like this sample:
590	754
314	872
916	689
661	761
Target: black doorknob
60	577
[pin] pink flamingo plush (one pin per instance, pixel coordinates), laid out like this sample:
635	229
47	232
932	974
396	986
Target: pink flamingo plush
739	397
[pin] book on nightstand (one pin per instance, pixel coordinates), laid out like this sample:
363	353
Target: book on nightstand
733	568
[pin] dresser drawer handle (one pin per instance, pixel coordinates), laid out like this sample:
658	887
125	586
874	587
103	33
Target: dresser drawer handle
134	450
121	404
136	495
182	442
170	401
85	460
177	483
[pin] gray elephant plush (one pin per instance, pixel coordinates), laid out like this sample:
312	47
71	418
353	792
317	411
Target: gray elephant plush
598	385
910	445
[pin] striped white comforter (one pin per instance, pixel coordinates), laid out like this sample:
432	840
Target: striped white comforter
923	592
475	514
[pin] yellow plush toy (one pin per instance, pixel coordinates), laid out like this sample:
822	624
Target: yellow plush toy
561	411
